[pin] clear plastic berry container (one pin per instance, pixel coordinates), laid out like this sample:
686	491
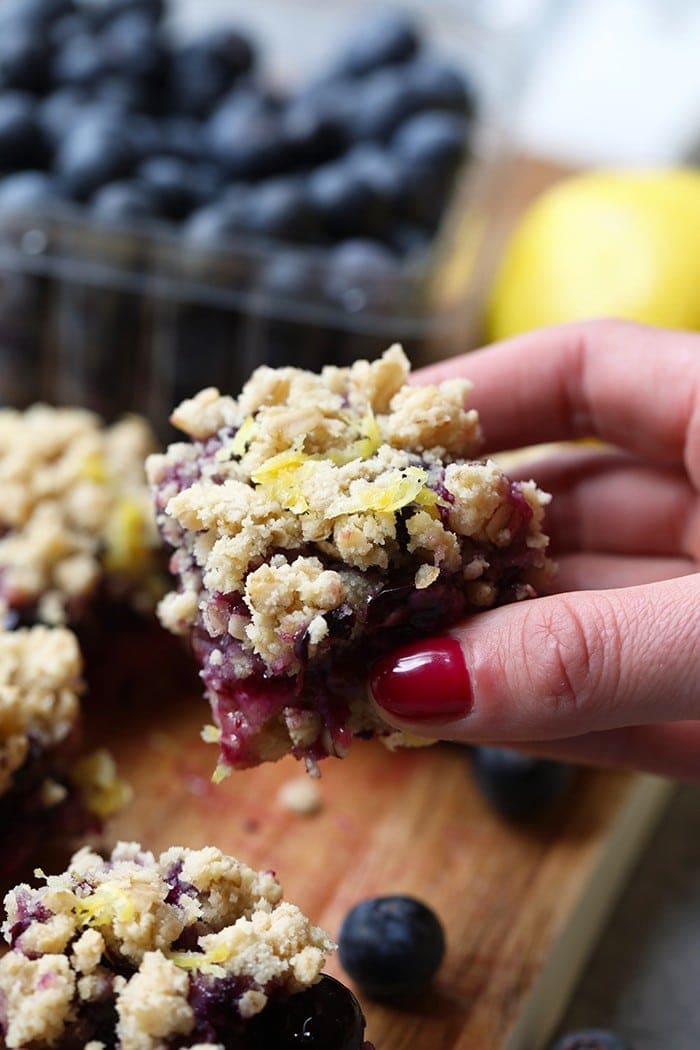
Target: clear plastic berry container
131	316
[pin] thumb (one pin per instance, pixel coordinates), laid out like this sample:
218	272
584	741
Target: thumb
551	668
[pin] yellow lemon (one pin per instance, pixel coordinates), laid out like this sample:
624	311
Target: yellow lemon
625	244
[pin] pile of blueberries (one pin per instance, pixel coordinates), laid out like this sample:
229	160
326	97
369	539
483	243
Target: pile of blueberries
100	105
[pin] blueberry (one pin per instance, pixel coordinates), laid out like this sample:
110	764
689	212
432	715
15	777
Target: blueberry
28	189
122	94
67	26
126	200
22	143
391	946
379	168
107	10
58	112
381	102
202	71
181	137
34	12
326	1016
360	274
346	201
311	133
281	208
383	39
409	240
436	85
432	140
591	1039
172	182
247	142
130	45
24	57
516	785
215	225
79	61
96	151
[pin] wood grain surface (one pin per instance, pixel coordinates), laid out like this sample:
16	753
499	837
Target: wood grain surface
512	899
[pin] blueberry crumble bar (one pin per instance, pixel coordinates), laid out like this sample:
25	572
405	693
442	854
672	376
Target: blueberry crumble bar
188	949
317	521
75	515
40	675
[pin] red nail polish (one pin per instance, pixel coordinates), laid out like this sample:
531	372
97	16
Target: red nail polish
424	681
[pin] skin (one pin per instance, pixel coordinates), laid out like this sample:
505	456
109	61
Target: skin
607	669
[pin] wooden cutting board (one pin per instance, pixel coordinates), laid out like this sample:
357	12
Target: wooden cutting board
521	906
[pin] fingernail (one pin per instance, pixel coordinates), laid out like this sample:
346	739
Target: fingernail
424	681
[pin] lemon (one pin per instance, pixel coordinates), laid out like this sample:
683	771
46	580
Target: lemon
616	243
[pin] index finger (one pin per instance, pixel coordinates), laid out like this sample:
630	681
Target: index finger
632	386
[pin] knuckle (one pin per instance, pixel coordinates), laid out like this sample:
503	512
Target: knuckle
577	645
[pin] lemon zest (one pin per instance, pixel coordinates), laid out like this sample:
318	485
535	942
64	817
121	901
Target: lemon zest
246	433
402	489
127	549
105	905
93	468
220	773
210	734
205	962
103	791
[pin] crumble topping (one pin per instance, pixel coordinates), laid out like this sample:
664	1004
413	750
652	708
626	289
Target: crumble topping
152	936
73	507
317	512
40	672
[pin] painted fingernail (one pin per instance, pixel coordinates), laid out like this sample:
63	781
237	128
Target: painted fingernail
424	681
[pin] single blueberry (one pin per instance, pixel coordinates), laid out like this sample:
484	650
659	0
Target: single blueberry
409	240
291	274
391	946
216	225
24	57
437	85
381	102
78	61
346	201
96	150
383	39
72	24
203	70
59	111
181	137
281	208
22	142
124	201
311	133
124	94
34	13
130	46
518	786
173	184
379	168
591	1039
248	144
106	10
29	190
433	140
146	136
357	269
326	1016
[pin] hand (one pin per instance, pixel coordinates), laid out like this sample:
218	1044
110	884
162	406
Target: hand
607	670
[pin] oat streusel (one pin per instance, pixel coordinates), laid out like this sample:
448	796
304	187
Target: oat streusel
318	520
74	512
146	953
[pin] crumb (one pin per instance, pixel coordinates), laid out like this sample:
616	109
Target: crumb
300	795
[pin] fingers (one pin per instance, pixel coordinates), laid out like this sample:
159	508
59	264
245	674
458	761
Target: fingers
635	387
606	501
590	571
669	750
552	668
